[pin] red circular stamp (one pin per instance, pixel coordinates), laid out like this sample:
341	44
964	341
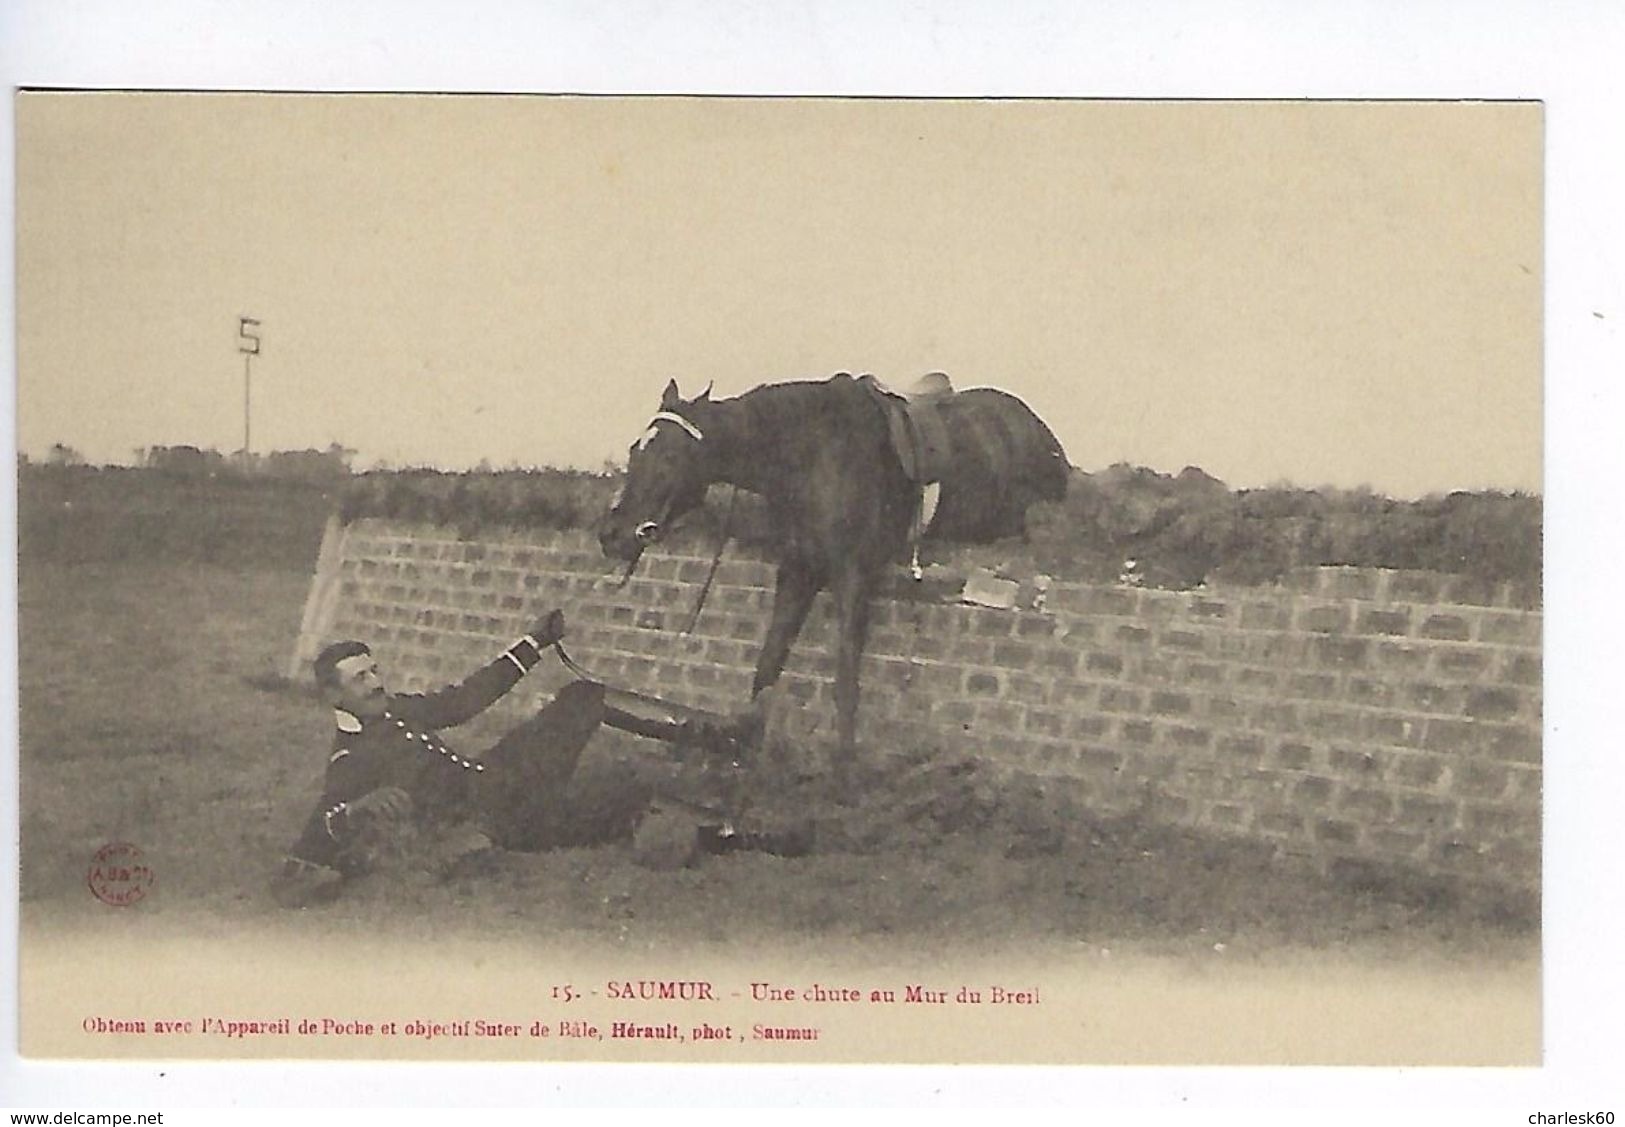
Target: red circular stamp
119	874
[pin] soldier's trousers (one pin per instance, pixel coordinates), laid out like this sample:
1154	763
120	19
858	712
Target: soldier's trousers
521	796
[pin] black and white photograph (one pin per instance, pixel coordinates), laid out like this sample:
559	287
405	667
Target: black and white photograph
723	580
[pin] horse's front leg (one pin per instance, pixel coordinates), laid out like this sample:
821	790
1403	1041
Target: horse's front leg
853	592
793	595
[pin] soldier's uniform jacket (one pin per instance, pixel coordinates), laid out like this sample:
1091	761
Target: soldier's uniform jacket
402	748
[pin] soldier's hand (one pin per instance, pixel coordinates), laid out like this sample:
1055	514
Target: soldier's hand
549	629
378	831
299	884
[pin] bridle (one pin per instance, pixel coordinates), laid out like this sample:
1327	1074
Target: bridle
645	530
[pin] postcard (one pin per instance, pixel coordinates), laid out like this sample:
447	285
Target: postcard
1043	581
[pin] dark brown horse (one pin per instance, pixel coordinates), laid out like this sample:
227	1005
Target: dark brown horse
821	455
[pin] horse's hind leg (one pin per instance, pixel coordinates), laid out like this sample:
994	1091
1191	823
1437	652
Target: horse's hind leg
852	598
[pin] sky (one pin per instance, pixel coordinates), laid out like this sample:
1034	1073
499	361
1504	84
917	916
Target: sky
1337	293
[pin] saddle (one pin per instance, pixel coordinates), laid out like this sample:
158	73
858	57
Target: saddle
919	437
915	419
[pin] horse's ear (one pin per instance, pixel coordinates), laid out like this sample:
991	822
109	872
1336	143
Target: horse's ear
669	399
705	396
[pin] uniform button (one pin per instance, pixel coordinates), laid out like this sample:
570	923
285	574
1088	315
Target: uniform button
479	766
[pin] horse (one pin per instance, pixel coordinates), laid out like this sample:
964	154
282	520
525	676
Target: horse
838	495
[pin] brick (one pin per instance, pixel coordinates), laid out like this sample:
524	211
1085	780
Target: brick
1349	582
1276	717
1087	727
1045	722
1416	770
1363	690
1182	639
1075	695
1313	792
1324	619
1104	663
992	623
1137	731
1451	735
1336	831
1257	680
1446	627
1170	704
1511	743
1493	704
1341	653
1110	600
1428	696
1241	746
1485	821
1164	808
1277	649
1153	668
1058	661
1013	655
1365	804
1203	673
1392	621
1209	609
1514	628
983	684
953	713
1226	816
1293	755
1395	843
1315	686
1354	763
998	716
1035	626
1099	760
1280	823
1188	737
1340	723
1520	669
1426	813
1266	616
1223	708
1480	780
1025	687
1133	635
1415	587
1475	591
971	651
1116	699
1461	662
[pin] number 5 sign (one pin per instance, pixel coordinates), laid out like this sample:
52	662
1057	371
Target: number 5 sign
248	336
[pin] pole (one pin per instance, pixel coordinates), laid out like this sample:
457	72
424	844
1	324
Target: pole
248	343
248	360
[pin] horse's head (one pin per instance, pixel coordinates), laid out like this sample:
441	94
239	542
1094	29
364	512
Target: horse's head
667	472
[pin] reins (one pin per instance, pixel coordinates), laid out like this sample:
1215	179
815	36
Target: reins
722	545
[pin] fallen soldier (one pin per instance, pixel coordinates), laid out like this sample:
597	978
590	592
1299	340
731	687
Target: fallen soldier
389	771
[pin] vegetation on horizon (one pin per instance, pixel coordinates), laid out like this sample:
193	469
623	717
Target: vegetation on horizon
1179	529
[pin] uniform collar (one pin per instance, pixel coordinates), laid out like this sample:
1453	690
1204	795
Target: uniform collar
346	720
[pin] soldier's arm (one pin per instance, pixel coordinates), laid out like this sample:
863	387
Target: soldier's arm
460	703
324	832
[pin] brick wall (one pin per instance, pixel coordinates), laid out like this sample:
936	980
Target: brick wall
1347	715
